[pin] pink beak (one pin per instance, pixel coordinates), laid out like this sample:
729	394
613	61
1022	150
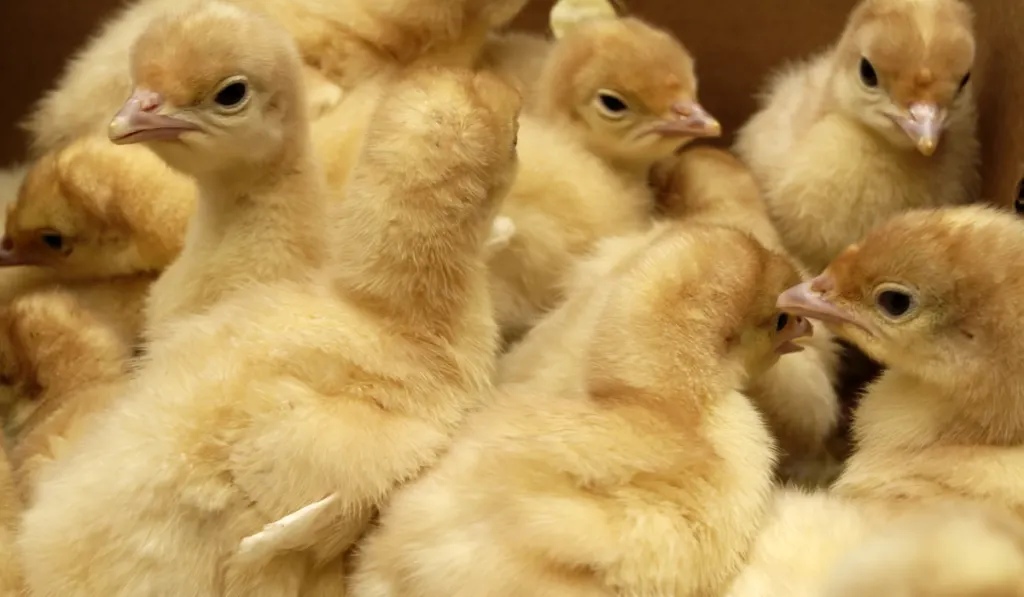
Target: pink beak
689	119
806	300
796	327
9	255
138	121
923	124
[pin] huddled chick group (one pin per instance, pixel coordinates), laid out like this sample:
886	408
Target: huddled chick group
379	299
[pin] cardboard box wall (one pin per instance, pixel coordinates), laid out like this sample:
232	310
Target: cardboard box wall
737	42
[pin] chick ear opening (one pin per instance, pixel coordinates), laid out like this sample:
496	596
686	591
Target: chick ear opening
566	15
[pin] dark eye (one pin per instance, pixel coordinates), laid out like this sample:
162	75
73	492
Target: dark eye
232	95
53	240
894	302
612	103
867	73
964	81
781	322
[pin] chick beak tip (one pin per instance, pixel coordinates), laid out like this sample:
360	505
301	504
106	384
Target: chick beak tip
138	120
923	124
927	146
9	257
788	338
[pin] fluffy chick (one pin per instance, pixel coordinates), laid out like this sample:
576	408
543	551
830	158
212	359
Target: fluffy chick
955	551
630	463
563	201
932	295
238	126
279	396
627	90
93	209
58	364
43	334
852	137
598	126
707	186
344	42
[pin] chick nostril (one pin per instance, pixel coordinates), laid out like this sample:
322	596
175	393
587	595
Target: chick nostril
149	101
7	244
822	284
683	109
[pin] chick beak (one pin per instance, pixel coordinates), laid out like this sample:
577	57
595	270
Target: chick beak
796	327
806	300
689	119
9	254
139	120
923	124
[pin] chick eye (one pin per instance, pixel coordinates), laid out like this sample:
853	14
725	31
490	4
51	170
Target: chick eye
894	303
612	105
781	322
232	95
868	76
964	81
54	240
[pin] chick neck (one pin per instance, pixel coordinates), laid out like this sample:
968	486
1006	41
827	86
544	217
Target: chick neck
271	212
919	442
664	370
901	411
633	170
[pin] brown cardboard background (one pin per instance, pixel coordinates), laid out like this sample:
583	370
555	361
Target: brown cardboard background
736	42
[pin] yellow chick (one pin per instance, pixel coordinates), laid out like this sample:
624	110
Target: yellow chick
58	364
883	122
255	220
627	90
709	186
931	294
597	128
347	383
93	210
956	551
631	464
342	44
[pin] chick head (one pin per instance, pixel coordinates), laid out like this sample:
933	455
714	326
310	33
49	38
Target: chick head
931	293
66	216
439	127
627	87
903	69
705	293
217	90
